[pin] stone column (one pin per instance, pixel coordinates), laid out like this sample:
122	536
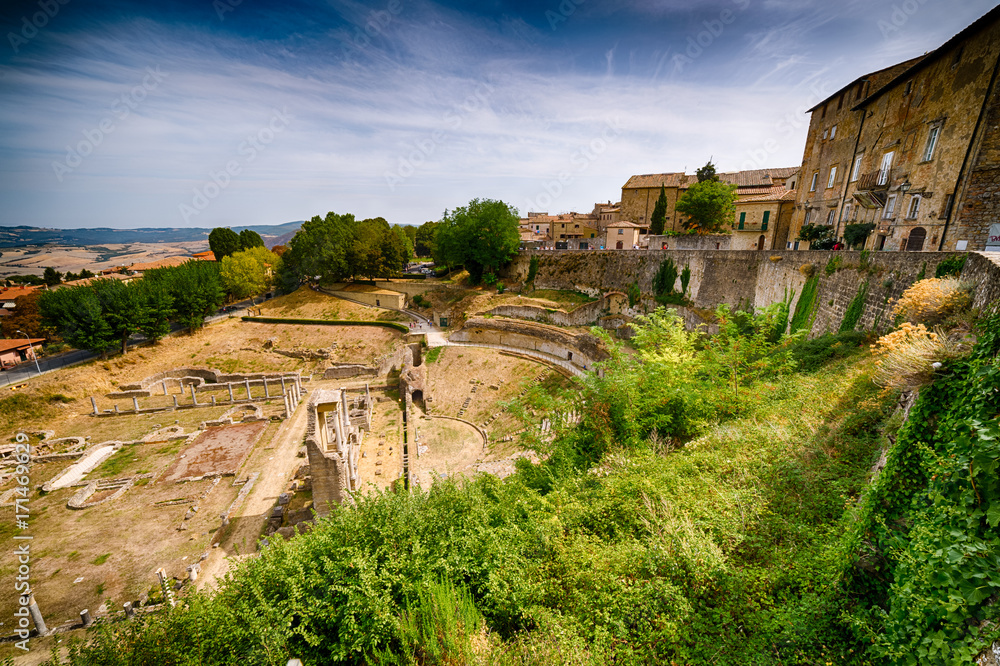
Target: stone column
36	616
175	401
213	401
267	393
247	383
85	618
135	403
282	383
343	408
340	432
230	386
168	594
164	387
129	611
94	403
116	408
288	408
193	396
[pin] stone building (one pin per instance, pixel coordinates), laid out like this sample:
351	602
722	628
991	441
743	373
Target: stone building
763	220
624	235
910	149
640	193
334	432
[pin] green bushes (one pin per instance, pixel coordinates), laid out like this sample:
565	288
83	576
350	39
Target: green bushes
952	266
532	270
805	306
855	309
663	284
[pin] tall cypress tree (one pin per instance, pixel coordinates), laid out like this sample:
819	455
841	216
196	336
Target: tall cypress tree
659	217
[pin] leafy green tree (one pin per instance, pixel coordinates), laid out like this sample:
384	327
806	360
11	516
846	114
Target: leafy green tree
159	305
707	173
659	217
77	314
423	243
250	239
196	290
86	274
249	272
223	241
710	206
857	234
51	276
319	249
483	236
123	307
406	236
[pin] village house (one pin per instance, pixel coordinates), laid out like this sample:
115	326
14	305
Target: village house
624	235
912	150
13	352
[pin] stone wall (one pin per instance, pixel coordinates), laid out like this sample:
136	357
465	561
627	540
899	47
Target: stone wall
692	242
758	279
982	269
584	315
582	349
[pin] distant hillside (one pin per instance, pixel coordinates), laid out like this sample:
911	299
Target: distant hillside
24	235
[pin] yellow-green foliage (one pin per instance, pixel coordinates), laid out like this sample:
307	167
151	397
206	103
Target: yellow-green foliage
905	357
933	300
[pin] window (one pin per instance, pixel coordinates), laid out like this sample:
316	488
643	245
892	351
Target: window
743	217
621	232
823	112
826	133
808	215
890	206
833	176
830	217
856	171
763	222
846	212
833	131
914	207
947	207
840	104
812	185
909	88
932	138
885	168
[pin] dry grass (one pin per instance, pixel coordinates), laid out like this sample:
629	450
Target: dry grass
933	300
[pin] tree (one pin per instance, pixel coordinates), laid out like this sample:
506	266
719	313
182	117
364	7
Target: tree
159	309
25	317
249	272
319	249
423	244
707	173
819	236
406	235
51	276
223	241
122	305
483	236
196	290
710	206
86	274
77	314
659	217
857	234
250	238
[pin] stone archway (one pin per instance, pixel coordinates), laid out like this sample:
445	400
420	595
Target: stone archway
915	243
619	245
760	242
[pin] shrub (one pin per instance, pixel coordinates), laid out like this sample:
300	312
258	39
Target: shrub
805	305
811	355
808	270
832	265
856	234
532	270
905	358
950	266
854	310
501	287
634	295
933	300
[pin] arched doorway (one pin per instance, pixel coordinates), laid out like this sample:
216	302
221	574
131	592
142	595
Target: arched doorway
619	246
760	242
915	243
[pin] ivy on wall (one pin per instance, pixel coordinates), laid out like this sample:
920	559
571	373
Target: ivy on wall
855	309
806	305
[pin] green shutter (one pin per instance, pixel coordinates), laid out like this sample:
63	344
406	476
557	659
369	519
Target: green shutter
743	217
763	223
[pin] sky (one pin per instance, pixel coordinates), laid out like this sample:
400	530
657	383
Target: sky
204	113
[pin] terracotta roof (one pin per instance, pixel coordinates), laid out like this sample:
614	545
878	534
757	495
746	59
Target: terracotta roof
10	293
777	194
626	225
757	177
676	179
7	345
83	281
206	256
876	78
166	262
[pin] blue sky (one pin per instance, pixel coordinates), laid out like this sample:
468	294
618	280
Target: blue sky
224	112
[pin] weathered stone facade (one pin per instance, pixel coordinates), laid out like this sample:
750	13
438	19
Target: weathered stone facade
334	431
915	151
581	349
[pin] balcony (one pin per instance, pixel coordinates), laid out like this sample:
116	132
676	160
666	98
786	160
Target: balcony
874	181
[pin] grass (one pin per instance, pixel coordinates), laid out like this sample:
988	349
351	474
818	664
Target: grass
100	559
563	296
433	354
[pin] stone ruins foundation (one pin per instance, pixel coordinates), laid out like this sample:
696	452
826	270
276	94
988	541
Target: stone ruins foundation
336	426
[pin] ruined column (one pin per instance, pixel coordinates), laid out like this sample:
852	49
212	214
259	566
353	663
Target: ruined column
85	618
175	402
94	403
288	408
129	611
230	386
116	408
213	401
193	572
267	392
282	383
36	615
168	594
247	383
135	403
193	396
343	408
164	387
340	432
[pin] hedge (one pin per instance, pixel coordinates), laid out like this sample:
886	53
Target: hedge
328	322
409	276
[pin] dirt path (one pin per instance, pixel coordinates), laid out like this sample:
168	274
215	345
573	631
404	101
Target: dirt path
277	470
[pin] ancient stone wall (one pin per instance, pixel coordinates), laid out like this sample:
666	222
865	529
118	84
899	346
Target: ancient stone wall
749	278
982	269
582	349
